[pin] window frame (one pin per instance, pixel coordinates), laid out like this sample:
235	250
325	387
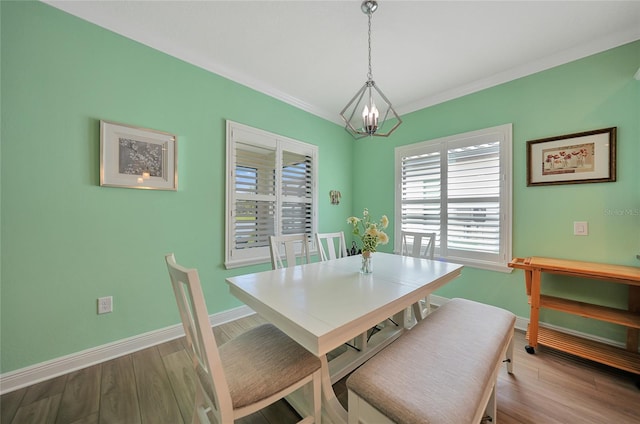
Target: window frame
234	257
489	261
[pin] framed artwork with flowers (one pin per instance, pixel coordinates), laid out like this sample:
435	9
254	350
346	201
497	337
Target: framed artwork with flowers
586	157
134	157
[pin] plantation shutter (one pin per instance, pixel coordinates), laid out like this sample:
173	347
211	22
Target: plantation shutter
270	191
473	204
421	193
255	195
459	187
297	193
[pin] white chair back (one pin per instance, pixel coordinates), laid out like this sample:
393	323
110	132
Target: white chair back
202	344
240	391
336	247
418	245
295	246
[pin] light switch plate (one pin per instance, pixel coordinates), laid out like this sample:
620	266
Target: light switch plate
105	305
580	228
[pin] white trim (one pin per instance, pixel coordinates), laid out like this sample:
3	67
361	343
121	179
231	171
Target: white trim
244	78
566	56
27	376
569	55
578	334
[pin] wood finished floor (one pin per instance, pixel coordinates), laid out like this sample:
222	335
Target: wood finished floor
155	386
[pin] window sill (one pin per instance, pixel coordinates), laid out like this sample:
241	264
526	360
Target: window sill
488	266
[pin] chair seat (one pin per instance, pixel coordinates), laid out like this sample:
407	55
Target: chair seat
262	362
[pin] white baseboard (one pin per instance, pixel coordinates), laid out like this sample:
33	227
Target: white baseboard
46	370
580	334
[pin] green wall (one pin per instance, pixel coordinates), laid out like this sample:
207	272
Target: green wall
596	92
67	241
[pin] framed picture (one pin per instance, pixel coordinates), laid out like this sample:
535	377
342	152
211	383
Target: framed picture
135	157
587	157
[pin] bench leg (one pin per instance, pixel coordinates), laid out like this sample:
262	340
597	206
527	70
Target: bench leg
490	413
353	409
509	356
362	412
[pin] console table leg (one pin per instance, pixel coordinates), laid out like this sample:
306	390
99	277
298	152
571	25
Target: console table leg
534	317
633	334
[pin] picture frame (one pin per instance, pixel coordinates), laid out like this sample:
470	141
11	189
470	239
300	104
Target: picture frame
134	157
585	157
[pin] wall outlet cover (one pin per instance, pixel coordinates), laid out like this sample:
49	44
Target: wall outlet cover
580	228
105	304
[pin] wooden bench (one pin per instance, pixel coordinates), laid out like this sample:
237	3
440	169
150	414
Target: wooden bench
443	370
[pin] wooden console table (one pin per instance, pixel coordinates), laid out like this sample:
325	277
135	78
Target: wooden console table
627	359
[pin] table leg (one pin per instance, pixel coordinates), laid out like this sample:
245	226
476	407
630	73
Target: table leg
360	342
534	316
417	311
330	404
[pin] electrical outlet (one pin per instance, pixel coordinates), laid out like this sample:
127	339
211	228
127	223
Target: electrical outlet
105	304
580	228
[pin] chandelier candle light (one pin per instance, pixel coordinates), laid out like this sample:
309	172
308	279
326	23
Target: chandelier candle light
365	100
371	234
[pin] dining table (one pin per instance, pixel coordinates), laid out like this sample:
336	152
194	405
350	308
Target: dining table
323	305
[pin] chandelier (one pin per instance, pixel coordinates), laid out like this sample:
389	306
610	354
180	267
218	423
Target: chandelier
362	114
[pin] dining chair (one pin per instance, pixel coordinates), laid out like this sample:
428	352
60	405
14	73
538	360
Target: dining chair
419	245
336	247
247	373
295	248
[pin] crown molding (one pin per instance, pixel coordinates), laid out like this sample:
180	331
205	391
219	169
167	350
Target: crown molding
560	58
611	41
552	61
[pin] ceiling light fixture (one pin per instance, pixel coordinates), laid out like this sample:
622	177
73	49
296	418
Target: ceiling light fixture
361	115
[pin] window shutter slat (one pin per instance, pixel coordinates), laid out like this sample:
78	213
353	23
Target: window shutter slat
253	223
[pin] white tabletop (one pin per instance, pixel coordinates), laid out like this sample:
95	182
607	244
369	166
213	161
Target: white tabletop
324	304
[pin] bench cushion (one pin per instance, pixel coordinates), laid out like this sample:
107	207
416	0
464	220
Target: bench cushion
437	371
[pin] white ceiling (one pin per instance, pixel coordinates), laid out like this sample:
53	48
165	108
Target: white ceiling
313	54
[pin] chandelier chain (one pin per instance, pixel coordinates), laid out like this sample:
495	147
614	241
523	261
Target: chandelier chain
370	73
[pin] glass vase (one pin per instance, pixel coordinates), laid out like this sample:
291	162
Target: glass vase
367	263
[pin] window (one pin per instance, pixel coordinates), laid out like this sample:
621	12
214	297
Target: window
270	191
459	187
